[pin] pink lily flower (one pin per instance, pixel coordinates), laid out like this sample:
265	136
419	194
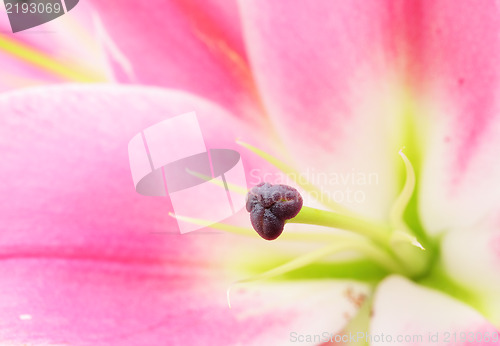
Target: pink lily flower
331	87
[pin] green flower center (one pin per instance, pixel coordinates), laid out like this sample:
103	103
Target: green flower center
397	246
392	246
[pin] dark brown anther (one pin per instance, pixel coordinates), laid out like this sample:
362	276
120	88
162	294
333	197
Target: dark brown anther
270	206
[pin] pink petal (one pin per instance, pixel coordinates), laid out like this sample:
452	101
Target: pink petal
326	71
421	316
189	45
457	49
81	262
340	77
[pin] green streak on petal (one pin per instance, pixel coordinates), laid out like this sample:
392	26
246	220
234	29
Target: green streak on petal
412	117
360	323
413	150
303	260
438	279
360	269
346	245
46	62
341	245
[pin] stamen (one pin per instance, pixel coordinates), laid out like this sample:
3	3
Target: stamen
403	237
232	187
250	232
342	244
402	233
404	245
399	206
270	205
218	225
298	178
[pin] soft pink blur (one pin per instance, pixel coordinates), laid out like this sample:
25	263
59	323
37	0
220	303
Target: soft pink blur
330	81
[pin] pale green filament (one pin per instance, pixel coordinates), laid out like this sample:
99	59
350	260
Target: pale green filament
403	242
250	232
402	233
218	225
399	206
232	187
294	175
375	231
342	244
400	237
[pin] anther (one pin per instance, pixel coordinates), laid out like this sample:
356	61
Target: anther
270	206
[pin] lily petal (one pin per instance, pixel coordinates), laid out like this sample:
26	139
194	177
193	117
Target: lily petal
457	64
188	45
410	314
329	85
80	259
